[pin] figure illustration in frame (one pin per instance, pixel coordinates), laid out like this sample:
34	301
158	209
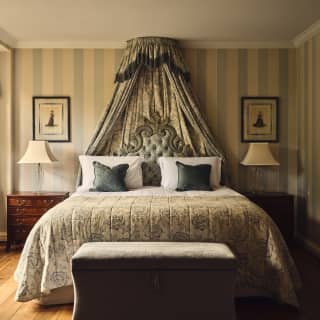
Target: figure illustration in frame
259	119
259	122
51	120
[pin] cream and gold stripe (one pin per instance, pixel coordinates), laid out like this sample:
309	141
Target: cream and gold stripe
230	74
308	62
6	59
220	77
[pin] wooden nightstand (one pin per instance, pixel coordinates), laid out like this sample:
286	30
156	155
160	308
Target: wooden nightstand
24	209
280	207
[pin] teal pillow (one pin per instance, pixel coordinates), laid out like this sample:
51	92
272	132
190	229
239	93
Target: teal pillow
108	179
193	177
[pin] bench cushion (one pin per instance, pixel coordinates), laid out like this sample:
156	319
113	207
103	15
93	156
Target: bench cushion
153	255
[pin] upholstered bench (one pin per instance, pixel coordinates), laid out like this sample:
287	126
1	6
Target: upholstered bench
154	280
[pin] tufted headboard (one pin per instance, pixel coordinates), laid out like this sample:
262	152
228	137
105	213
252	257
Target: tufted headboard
154	139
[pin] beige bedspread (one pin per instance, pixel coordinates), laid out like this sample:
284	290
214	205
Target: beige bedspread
264	261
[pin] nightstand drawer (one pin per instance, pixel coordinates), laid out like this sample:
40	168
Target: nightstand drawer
19	202
26	210
280	207
279	210
19	232
279	204
15	220
47	202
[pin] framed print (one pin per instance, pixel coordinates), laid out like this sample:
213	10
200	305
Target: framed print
259	116
51	119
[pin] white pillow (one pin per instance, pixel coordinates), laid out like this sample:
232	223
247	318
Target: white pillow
133	179
169	170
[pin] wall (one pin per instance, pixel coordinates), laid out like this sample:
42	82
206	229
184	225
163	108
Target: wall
5	134
308	62
219	79
84	75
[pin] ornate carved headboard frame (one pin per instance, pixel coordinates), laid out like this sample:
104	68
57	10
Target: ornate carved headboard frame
156	138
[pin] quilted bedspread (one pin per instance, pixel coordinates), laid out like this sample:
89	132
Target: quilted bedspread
264	262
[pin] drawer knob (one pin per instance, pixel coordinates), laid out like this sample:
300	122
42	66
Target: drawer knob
48	201
21	202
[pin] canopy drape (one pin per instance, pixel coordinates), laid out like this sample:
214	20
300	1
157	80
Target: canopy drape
152	78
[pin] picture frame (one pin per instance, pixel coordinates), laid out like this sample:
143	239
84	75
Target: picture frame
260	119
51	118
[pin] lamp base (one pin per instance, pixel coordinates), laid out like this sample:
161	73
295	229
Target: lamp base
38	189
257	185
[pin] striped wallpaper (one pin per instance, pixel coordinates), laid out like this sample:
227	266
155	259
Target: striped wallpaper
5	135
219	78
84	75
308	58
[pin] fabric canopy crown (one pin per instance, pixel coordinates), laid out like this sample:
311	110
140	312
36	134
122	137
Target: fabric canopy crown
152	79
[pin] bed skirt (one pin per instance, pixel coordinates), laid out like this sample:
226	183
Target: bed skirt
62	295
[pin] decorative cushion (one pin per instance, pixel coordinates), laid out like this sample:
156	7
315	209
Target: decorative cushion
169	170
108	179
193	177
133	179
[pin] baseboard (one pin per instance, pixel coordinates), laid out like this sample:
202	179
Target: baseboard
3	236
309	245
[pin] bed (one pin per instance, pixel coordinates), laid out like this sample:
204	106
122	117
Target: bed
154	213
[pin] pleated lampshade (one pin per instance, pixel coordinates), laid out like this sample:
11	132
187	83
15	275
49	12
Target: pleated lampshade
259	154
38	152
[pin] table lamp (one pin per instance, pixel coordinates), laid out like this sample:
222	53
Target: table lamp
38	152
258	155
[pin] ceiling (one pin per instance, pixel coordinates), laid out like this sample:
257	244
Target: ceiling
28	22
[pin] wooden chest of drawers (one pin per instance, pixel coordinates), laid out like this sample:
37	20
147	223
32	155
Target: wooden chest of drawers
25	209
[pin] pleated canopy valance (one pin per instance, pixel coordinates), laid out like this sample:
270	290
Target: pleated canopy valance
151	52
